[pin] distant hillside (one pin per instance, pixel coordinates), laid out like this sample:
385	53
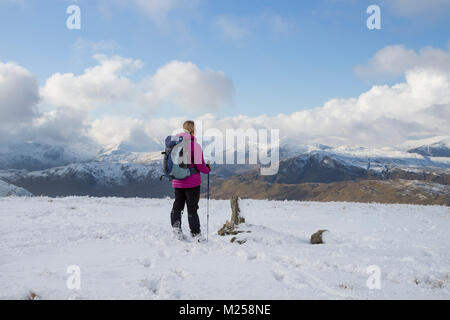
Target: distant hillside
390	191
324	177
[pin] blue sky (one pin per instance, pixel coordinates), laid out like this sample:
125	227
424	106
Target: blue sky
301	66
270	57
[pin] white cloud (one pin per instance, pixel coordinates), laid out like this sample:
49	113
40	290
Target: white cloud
396	60
60	125
232	27
140	134
81	45
409	8
241	27
278	24
103	84
21	120
384	115
186	85
158	10
19	95
181	83
113	130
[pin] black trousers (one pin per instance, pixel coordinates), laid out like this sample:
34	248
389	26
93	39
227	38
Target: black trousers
190	197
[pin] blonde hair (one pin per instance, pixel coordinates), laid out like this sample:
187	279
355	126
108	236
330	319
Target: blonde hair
189	126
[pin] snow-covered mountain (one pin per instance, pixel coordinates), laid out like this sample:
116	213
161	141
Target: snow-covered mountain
120	171
373	157
39	156
433	150
7	190
94	178
378	159
119	155
436	147
59	171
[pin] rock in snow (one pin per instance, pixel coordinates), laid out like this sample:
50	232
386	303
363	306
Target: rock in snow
316	238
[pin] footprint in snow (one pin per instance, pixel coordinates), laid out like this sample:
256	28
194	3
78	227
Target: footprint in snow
180	273
164	254
153	285
279	276
147	263
251	256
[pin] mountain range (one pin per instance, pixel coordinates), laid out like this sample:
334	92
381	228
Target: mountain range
413	173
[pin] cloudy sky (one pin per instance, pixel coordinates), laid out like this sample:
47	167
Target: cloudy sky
137	68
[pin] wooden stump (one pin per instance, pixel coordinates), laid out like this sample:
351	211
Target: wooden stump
235	211
230	227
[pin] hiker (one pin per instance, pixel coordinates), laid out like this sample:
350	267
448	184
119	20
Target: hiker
187	190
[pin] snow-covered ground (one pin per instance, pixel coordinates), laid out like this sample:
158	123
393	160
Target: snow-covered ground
125	250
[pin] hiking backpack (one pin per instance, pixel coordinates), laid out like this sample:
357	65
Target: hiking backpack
177	159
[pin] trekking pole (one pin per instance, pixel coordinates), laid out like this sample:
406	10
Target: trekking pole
207	213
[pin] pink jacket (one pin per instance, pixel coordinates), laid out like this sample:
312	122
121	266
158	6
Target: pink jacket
199	163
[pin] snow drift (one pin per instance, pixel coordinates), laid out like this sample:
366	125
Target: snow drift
125	250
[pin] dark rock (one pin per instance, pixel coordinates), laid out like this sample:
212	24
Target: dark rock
316	238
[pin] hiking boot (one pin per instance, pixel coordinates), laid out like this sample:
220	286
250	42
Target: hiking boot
198	237
178	234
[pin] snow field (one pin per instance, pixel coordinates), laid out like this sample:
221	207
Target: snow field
125	250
